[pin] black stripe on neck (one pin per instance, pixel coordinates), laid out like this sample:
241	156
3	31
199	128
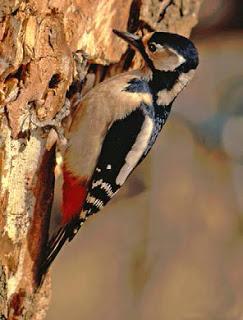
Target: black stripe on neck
163	80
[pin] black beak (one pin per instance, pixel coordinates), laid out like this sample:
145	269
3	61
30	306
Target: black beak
132	39
136	42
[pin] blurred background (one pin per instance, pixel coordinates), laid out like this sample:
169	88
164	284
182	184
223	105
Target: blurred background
170	245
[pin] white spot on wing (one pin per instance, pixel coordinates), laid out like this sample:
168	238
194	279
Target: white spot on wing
98	203
181	59
91	199
103	185
95	202
108	167
137	150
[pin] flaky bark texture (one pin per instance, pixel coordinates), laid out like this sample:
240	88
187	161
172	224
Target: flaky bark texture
44	45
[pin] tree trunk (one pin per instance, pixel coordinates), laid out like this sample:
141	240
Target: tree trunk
44	45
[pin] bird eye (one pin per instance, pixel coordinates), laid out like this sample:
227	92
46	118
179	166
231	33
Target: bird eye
152	47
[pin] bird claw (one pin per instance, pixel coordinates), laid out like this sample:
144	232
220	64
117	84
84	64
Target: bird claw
56	134
81	59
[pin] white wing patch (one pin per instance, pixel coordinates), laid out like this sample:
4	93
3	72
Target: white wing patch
137	150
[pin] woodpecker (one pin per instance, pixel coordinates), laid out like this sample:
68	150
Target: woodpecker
115	126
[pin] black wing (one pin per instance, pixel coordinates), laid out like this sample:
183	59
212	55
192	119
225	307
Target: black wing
121	138
125	136
117	143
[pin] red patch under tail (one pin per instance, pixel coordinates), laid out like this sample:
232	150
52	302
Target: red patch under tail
74	195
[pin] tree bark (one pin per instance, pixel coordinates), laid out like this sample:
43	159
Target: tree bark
43	47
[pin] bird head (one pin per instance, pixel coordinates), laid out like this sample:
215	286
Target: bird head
164	51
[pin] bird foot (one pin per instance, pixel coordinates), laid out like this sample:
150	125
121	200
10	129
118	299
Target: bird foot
56	132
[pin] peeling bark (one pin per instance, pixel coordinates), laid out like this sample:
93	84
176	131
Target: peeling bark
43	49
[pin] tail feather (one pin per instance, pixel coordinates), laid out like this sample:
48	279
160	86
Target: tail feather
74	195
54	246
53	249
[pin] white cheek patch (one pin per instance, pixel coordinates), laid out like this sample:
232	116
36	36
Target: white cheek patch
137	150
170	63
181	59
165	97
